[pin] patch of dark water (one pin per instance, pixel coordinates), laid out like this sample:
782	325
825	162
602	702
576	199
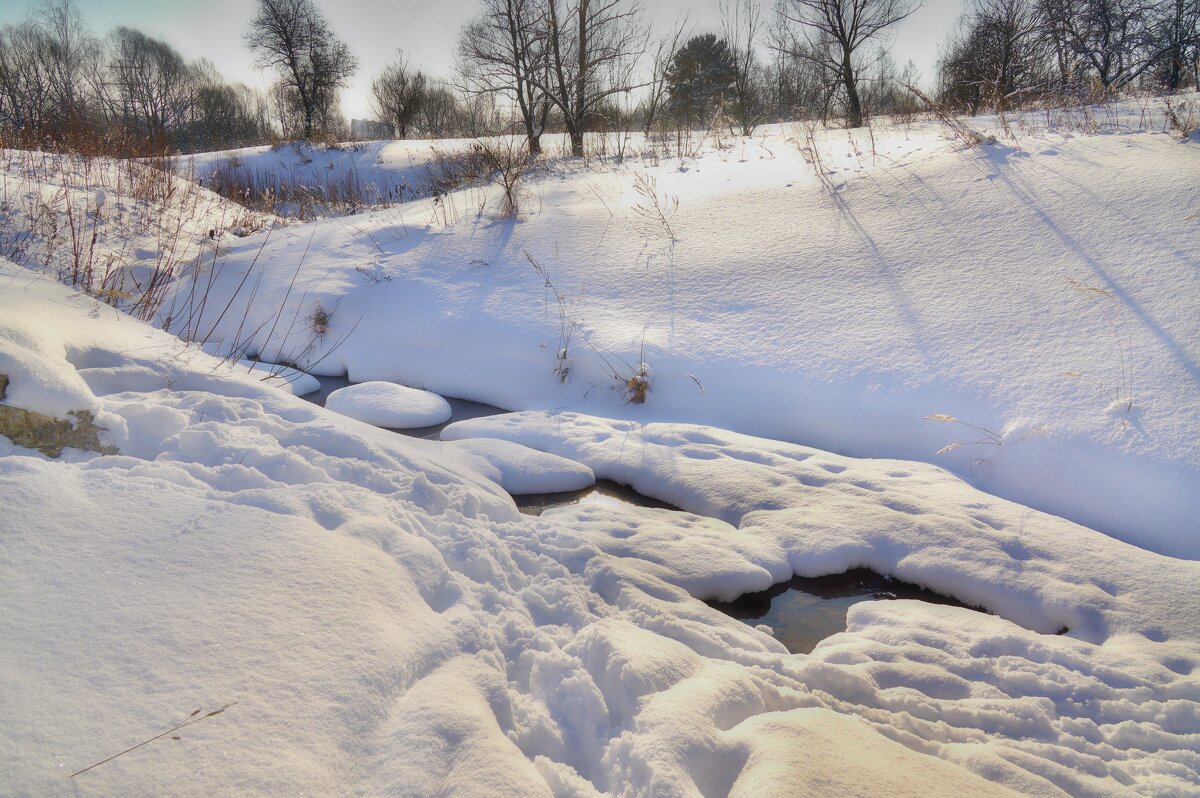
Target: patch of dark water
805	610
603	493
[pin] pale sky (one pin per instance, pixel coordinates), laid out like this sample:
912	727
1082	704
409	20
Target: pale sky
425	30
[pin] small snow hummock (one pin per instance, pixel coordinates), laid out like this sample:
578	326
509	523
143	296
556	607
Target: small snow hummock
386	404
521	470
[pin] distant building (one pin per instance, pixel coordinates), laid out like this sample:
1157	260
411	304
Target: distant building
365	129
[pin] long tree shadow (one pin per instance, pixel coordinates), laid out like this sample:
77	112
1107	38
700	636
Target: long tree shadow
1118	291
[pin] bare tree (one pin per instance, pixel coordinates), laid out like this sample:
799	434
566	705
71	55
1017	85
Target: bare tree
502	51
593	47
1113	37
741	21
835	32
50	75
797	84
441	112
397	96
999	52
1177	30
26	89
155	90
225	115
293	38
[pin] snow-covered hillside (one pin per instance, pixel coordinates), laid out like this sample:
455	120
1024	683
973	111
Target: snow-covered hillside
976	369
829	288
388	623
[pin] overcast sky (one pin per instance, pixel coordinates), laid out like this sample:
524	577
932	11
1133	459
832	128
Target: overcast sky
424	29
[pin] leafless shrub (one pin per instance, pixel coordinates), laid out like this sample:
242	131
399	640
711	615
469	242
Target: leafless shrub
1181	116
506	163
451	170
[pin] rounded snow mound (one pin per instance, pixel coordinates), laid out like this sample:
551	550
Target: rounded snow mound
521	470
386	404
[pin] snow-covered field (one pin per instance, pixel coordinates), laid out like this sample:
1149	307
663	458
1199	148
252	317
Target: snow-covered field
1046	292
377	616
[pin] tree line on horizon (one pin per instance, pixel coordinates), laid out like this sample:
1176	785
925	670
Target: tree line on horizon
577	66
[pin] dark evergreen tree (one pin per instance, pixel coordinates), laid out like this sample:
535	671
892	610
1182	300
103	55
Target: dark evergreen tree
702	76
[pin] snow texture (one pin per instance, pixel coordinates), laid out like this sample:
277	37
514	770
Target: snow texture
521	470
386	404
388	623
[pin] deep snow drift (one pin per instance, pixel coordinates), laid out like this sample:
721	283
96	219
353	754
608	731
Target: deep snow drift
387	622
833	289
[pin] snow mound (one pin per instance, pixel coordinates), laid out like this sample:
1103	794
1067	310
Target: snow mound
386	404
521	470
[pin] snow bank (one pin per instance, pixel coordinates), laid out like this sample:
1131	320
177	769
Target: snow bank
836	295
120	229
385	404
387	622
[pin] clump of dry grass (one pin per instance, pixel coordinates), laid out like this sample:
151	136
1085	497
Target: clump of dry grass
563	361
964	132
651	206
637	386
1118	389
987	437
633	383
78	217
318	320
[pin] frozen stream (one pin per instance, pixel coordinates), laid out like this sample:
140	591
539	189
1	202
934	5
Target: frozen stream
800	612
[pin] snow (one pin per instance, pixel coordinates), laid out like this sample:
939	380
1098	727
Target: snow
387	622
836	293
521	470
386	404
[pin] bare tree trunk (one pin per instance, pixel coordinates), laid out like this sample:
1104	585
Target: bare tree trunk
575	132
854	116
